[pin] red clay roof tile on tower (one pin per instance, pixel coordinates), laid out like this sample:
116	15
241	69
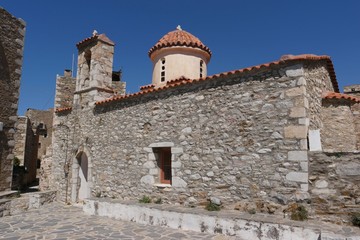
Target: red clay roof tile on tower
57	110
335	95
102	37
284	59
179	37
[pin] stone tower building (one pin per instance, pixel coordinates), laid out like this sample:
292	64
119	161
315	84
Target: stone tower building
12	32
94	77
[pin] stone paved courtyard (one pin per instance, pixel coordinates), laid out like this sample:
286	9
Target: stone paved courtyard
57	221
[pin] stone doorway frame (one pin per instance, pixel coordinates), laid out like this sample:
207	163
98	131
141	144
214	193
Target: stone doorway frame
75	173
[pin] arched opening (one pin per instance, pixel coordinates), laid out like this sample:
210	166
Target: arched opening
81	176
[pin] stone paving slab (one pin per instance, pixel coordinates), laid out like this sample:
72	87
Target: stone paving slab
58	221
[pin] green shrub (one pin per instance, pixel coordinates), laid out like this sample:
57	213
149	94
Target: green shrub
212	207
16	162
252	211
145	199
355	219
299	214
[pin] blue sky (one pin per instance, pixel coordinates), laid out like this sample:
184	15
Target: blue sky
239	33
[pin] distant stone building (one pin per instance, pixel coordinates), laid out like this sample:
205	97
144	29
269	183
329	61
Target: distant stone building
257	136
12	32
32	138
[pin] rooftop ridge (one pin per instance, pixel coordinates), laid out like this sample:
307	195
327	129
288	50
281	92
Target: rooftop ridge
178	82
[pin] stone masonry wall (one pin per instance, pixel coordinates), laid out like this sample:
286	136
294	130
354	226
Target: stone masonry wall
335	185
352	90
356	112
317	82
12	32
337	133
65	88
20	137
234	138
46	117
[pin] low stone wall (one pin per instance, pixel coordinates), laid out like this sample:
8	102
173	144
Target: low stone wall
244	226
5	205
25	202
334	185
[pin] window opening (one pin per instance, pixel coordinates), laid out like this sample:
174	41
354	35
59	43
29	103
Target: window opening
165	165
201	68
162	79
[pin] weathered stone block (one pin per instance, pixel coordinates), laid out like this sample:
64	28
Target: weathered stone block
147	180
295	131
314	140
304	166
297	177
178	182
321	184
297	156
297	112
298	91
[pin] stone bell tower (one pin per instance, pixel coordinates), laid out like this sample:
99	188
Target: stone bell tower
94	72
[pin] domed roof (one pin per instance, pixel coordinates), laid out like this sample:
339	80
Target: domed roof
179	37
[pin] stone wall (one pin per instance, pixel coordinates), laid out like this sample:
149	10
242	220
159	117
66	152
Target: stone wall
65	88
335	185
20	138
317	82
45	117
235	138
356	112
338	130
12	32
353	90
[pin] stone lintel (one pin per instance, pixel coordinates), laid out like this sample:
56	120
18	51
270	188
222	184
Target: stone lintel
161	144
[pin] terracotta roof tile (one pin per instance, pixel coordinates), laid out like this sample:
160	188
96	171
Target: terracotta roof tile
57	110
284	59
102	37
150	86
179	38
335	95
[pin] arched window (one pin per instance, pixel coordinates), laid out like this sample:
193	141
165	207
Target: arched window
201	68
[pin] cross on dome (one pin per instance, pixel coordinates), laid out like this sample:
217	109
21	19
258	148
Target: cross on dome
178	27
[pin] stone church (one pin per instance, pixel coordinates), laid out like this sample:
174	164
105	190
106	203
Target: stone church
275	133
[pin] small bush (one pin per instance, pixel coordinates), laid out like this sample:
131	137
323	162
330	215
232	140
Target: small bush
299	214
145	199
212	207
355	219
252	211
16	162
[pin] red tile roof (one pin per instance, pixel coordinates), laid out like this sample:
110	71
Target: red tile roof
150	86
102	37
179	38
335	95
57	110
284	59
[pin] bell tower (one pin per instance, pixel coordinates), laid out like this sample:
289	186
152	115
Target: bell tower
94	70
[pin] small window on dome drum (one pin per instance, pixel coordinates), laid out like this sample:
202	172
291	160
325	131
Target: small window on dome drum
201	68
